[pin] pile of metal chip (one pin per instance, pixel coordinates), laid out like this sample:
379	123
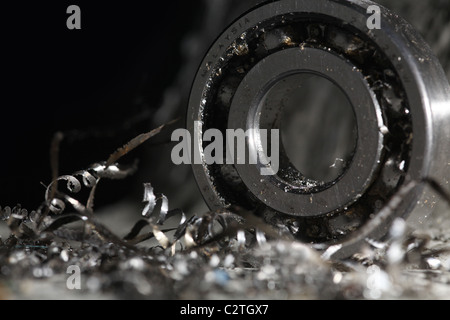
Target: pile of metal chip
218	255
63	250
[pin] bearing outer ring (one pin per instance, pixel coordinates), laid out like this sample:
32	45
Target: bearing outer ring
418	78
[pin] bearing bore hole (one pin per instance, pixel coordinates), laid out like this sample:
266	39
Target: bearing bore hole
317	123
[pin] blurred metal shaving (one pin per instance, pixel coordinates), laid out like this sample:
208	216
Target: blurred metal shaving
202	260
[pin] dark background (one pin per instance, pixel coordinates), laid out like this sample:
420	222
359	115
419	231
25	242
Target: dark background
99	85
128	70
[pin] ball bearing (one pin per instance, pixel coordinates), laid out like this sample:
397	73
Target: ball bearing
398	94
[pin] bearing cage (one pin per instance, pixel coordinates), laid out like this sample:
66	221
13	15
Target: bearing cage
245	43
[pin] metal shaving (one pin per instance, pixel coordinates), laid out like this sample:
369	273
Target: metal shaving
217	255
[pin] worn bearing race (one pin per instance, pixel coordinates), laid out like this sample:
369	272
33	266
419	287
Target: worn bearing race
400	100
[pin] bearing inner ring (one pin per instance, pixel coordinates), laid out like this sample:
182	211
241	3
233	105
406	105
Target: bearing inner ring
307	198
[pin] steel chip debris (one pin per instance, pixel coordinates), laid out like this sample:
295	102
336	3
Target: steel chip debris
214	255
